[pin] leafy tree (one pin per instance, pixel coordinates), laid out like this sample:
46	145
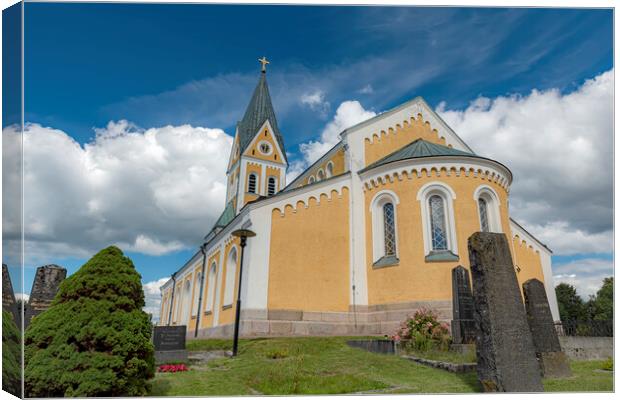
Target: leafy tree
94	340
11	355
603	303
570	304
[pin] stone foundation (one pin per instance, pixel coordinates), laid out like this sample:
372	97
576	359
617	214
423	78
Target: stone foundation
382	319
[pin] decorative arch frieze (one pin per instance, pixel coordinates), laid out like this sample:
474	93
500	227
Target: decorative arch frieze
319	194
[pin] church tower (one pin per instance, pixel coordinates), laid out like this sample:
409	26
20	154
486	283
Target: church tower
258	163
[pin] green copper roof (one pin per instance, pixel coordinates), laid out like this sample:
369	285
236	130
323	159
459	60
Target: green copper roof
227	215
419	148
259	110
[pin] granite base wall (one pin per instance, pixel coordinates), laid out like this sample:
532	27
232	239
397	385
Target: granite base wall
587	347
383	319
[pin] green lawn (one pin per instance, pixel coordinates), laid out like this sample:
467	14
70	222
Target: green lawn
329	366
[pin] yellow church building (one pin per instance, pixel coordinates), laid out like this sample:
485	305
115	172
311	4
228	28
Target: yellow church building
365	236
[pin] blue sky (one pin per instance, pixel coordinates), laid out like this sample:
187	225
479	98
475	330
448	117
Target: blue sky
157	65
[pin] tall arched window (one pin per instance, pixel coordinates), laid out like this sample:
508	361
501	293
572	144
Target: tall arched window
231	271
438	222
329	170
488	209
271	186
484	214
211	287
187	292
389	232
384	232
252	183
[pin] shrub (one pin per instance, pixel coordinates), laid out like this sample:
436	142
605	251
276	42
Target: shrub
608	365
424	332
94	340
11	355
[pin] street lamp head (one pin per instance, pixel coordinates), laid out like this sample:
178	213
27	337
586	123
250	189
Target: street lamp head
243	233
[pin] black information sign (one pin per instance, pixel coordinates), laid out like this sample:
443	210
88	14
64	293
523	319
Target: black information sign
169	337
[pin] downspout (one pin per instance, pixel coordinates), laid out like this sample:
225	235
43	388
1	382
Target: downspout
174	282
202	280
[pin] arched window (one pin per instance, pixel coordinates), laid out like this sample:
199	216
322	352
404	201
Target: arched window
187	293
311	180
488	209
271	186
231	271
384	232
252	183
329	169
210	287
436	200
196	294
438	223
320	175
484	215
389	233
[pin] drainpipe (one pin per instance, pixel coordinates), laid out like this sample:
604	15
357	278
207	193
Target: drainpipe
174	282
202	280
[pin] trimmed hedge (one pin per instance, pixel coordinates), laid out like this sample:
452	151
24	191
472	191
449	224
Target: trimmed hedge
94	340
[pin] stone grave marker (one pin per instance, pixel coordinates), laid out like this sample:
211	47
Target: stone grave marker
504	346
463	325
169	343
553	362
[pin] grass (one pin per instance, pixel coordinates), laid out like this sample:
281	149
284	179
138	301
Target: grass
328	366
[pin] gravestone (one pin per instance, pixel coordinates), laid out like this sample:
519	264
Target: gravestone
463	325
8	296
504	346
44	288
553	362
169	343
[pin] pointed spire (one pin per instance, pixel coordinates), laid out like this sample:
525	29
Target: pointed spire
259	110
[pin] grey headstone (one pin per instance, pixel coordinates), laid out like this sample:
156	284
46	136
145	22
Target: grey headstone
504	346
463	325
553	362
44	288
169	343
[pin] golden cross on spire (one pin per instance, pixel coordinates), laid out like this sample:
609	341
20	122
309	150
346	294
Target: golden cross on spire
264	63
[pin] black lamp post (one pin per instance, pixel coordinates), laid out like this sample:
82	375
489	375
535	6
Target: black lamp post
243	235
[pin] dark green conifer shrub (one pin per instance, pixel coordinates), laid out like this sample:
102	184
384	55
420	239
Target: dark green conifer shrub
11	356
94	340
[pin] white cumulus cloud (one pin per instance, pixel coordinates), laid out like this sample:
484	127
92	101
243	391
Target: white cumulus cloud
586	275
151	191
348	114
152	297
559	147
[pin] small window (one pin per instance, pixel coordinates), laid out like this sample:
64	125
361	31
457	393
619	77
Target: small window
252	183
329	169
271	186
484	215
311	180
320	175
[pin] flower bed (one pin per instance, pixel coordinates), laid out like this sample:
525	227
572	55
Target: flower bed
172	368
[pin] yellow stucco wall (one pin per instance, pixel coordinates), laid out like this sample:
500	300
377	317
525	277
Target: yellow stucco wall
414	278
309	256
234	152
386	142
528	262
337	160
